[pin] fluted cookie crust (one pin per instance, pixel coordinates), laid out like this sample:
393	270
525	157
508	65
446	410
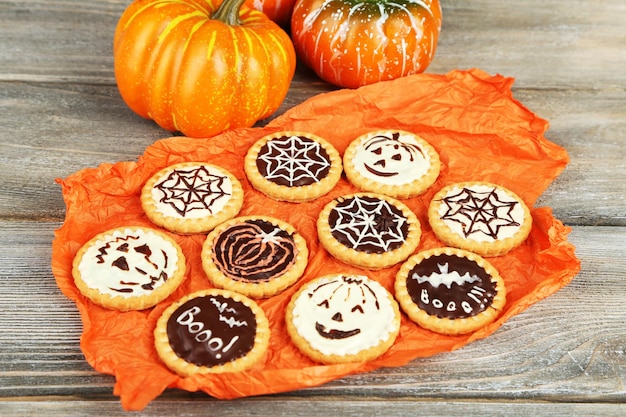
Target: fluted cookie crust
129	268
480	217
212	331
191	197
258	256
450	291
343	318
293	166
393	162
369	230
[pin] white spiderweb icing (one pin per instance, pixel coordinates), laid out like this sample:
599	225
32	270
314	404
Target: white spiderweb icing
293	160
371	223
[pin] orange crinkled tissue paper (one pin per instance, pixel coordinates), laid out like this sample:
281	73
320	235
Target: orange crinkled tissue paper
480	132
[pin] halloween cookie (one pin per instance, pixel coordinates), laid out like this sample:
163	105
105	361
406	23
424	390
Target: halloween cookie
293	166
129	268
191	197
212	331
368	230
480	217
257	256
450	291
392	162
343	318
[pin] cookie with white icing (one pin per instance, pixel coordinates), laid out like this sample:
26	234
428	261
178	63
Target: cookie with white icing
129	268
480	217
343	318
258	256
191	197
293	166
450	291
212	331
393	162
369	230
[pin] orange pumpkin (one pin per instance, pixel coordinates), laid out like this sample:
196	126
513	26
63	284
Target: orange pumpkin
200	67
351	43
277	10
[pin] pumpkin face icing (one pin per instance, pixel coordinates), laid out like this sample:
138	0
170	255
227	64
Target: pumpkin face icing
342	315
392	159
129	263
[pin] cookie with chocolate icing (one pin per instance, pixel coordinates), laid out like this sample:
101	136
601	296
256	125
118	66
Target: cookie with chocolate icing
191	197
129	268
450	291
369	230
258	256
480	217
393	162
293	166
212	331
343	318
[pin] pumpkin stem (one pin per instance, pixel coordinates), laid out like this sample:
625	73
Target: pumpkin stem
228	12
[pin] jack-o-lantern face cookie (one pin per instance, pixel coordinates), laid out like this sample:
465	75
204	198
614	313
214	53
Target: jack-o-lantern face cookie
392	162
370	230
129	268
481	217
450	291
257	256
293	166
343	318
191	197
212	331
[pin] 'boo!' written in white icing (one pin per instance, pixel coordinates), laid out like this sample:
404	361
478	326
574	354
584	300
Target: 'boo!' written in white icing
202	335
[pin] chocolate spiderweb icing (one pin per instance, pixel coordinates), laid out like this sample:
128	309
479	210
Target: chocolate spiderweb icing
211	330
254	251
450	286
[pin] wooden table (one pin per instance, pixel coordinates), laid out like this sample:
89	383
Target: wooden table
60	111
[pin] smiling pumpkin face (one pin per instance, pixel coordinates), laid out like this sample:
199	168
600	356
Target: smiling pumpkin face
390	158
343	315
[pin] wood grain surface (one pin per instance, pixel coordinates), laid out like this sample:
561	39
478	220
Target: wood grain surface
60	112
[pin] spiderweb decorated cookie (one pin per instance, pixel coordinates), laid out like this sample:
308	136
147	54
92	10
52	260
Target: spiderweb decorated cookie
343	318
480	217
393	162
258	256
129	268
212	331
191	197
369	230
450	291
293	166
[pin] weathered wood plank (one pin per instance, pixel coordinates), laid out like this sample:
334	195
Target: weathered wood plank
312	407
568	347
555	46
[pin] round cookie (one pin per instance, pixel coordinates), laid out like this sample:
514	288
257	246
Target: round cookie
212	331
343	318
129	268
191	197
293	166
450	291
368	230
393	162
480	217
257	256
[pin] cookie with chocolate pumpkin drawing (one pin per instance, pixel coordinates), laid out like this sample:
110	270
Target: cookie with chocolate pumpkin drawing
258	256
